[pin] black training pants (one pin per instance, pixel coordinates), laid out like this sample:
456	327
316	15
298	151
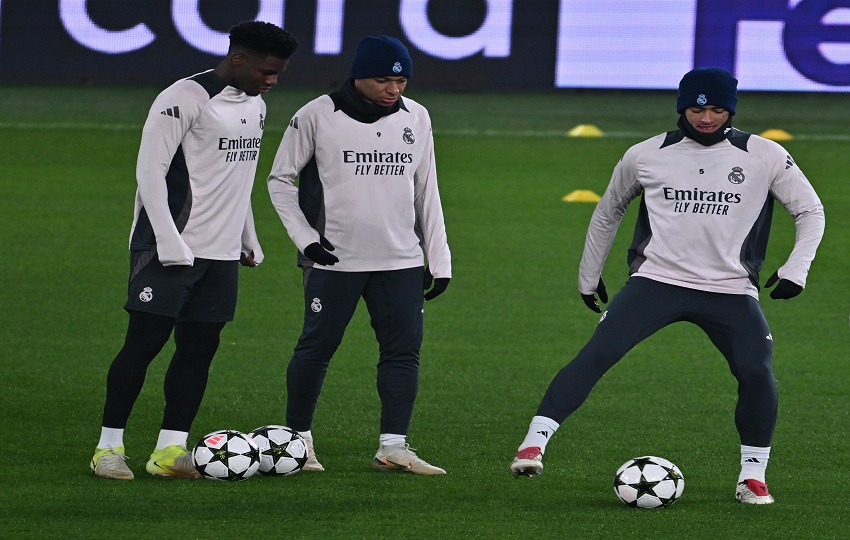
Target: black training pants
395	302
735	324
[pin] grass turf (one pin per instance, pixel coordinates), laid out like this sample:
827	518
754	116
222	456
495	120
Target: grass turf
509	321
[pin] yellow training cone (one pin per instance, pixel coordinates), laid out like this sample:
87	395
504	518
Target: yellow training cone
585	130
581	195
777	135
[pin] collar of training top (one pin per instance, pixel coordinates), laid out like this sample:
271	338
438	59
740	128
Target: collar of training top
351	102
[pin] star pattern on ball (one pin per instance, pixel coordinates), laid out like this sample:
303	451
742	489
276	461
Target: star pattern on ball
642	462
301	460
645	487
648	482
278	450
222	455
283	451
672	472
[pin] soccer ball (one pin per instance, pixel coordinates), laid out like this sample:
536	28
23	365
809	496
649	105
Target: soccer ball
649	482
226	455
283	452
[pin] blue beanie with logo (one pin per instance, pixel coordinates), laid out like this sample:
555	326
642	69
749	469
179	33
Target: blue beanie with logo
708	86
381	56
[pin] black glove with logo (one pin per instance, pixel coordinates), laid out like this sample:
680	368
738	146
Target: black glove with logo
590	299
784	290
319	252
440	285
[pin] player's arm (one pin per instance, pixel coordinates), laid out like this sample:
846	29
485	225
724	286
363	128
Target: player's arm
161	137
602	229
430	223
252	253
794	191
296	149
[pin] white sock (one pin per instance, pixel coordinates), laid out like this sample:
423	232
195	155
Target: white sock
540	431
111	437
392	439
753	462
169	437
308	435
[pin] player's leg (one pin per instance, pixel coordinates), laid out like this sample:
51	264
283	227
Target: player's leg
330	300
153	302
738	328
185	384
210	305
187	375
395	304
146	335
637	311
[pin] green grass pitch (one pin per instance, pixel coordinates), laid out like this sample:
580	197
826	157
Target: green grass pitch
511	318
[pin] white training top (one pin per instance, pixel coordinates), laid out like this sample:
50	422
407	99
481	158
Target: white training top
195	172
705	213
369	188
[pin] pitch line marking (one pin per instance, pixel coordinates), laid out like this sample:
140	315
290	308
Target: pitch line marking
528	133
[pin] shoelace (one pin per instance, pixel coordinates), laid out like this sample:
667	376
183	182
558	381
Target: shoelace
113	458
411	453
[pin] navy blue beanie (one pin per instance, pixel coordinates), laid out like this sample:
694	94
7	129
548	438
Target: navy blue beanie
381	56
708	86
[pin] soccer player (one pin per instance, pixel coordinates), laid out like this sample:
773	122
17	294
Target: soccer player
192	227
708	193
365	209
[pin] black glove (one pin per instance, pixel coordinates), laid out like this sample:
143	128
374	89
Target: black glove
427	279
318	252
590	299
784	290
440	285
247	259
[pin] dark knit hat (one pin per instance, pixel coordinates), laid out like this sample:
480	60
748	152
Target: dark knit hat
708	86
381	56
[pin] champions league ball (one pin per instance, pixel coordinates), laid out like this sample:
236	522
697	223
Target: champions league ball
226	455
283	452
649	482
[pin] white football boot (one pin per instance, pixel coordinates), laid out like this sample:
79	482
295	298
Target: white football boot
528	462
753	492
312	464
402	458
110	463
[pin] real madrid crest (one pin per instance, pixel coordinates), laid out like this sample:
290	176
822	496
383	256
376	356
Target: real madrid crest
737	175
146	295
701	99
407	136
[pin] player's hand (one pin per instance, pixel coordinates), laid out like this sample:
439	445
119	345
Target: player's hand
440	285
590	299
427	279
319	252
247	259
784	290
